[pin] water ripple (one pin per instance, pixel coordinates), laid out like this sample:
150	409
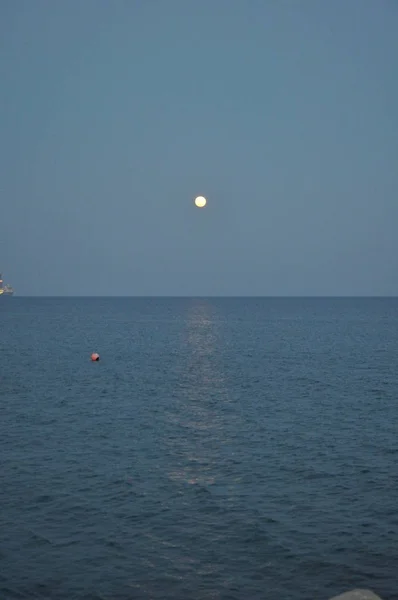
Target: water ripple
222	449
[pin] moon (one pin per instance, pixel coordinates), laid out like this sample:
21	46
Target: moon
200	201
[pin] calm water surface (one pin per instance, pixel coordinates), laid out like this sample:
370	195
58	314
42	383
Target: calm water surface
226	449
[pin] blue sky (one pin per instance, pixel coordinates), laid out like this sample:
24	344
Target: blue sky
114	115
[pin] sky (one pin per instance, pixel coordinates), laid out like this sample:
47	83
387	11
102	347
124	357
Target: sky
114	115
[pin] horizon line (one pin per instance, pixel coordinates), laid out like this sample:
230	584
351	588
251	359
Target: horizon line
204	296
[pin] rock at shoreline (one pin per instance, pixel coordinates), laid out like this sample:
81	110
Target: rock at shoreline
357	595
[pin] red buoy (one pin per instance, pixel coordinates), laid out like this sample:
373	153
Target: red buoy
94	357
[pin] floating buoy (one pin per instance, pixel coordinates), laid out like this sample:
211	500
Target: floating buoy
94	357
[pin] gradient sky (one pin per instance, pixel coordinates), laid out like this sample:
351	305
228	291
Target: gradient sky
115	114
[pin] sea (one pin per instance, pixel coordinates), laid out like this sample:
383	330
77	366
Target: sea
221	448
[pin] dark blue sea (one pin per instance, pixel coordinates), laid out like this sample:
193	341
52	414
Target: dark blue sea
228	449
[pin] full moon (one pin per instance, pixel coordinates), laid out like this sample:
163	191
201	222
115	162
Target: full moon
200	201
